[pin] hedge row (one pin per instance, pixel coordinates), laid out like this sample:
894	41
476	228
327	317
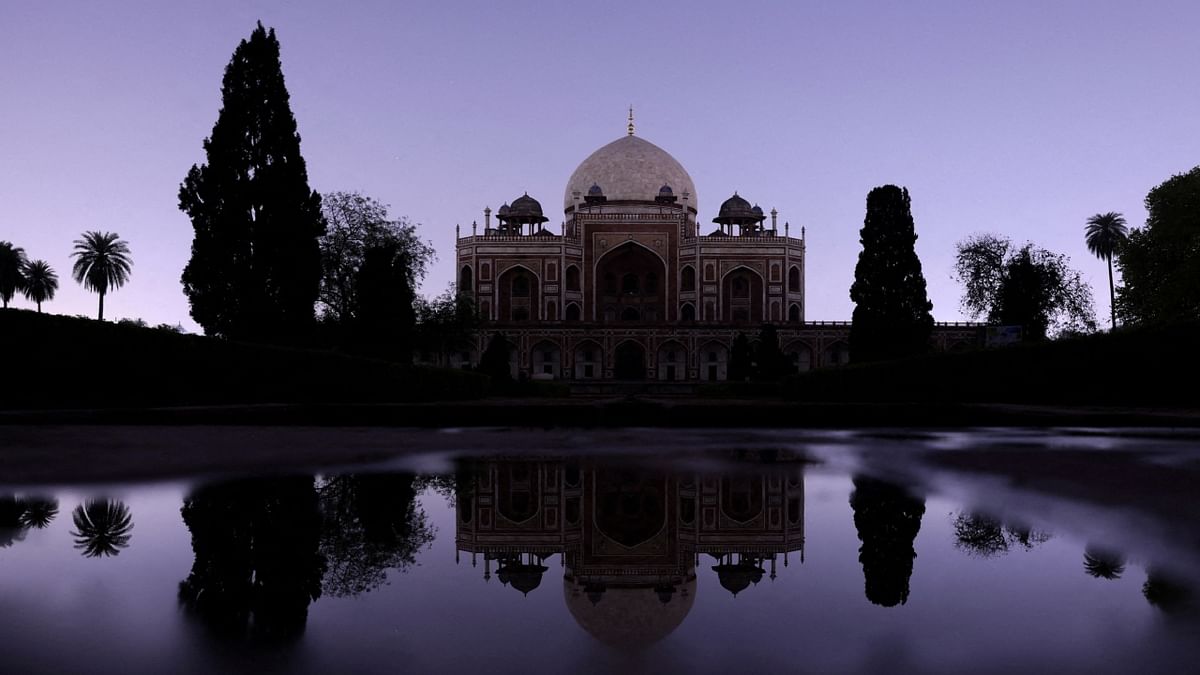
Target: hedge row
64	362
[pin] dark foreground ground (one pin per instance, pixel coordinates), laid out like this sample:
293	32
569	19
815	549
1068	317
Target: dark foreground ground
629	411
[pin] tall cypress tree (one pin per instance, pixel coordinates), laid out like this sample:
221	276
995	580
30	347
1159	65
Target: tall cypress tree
892	312
255	268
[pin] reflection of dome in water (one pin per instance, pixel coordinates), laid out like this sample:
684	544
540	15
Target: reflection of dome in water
630	618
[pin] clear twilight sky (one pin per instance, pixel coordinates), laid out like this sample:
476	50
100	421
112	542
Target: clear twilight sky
1021	118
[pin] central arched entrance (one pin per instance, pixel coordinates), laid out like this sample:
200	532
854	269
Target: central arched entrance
631	285
629	361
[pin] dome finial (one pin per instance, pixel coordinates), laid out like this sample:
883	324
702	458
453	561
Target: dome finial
630	120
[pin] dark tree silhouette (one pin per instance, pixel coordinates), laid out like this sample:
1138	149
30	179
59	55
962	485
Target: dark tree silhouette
1103	564
891	308
739	359
1167	593
1160	268
384	313
258	565
12	270
1105	234
372	525
102	527
447	323
40	283
770	363
1028	287
102	263
887	518
494	360
354	224
255	268
12	527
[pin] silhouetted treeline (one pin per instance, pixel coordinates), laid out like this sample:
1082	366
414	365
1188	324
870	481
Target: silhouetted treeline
144	366
1134	367
887	518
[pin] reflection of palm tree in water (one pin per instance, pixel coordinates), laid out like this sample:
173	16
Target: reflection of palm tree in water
887	518
21	514
1103	564
103	527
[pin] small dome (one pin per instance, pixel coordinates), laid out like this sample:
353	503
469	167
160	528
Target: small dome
665	190
737	578
737	210
503	209
526	209
757	210
595	190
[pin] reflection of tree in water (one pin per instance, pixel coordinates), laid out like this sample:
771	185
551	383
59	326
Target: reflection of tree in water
372	524
1103	564
1167	593
257	563
984	536
21	514
887	518
102	527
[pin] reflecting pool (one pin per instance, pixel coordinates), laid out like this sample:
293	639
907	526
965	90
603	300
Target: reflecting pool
832	552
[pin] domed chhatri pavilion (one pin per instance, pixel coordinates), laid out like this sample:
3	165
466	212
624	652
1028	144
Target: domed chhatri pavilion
633	286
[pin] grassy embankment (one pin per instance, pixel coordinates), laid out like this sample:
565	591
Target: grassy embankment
1157	366
67	362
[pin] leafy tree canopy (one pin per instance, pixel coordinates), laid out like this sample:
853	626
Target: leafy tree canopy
354	224
892	310
1027	286
1160	263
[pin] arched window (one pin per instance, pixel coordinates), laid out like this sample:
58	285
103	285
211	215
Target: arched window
794	279
520	286
630	314
687	279
465	279
572	312
710	273
651	283
551	272
687	312
572	278
485	271
629	284
741	287
794	313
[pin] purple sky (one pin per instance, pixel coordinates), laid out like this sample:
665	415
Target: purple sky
1021	118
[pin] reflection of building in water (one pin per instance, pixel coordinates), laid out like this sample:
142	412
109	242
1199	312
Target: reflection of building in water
630	540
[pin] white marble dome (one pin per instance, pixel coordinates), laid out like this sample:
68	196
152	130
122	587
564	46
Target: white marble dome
630	168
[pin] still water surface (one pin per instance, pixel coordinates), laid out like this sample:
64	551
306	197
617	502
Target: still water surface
838	554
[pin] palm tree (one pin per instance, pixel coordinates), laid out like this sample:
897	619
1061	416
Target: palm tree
40	283
101	263
1105	233
102	526
12	268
